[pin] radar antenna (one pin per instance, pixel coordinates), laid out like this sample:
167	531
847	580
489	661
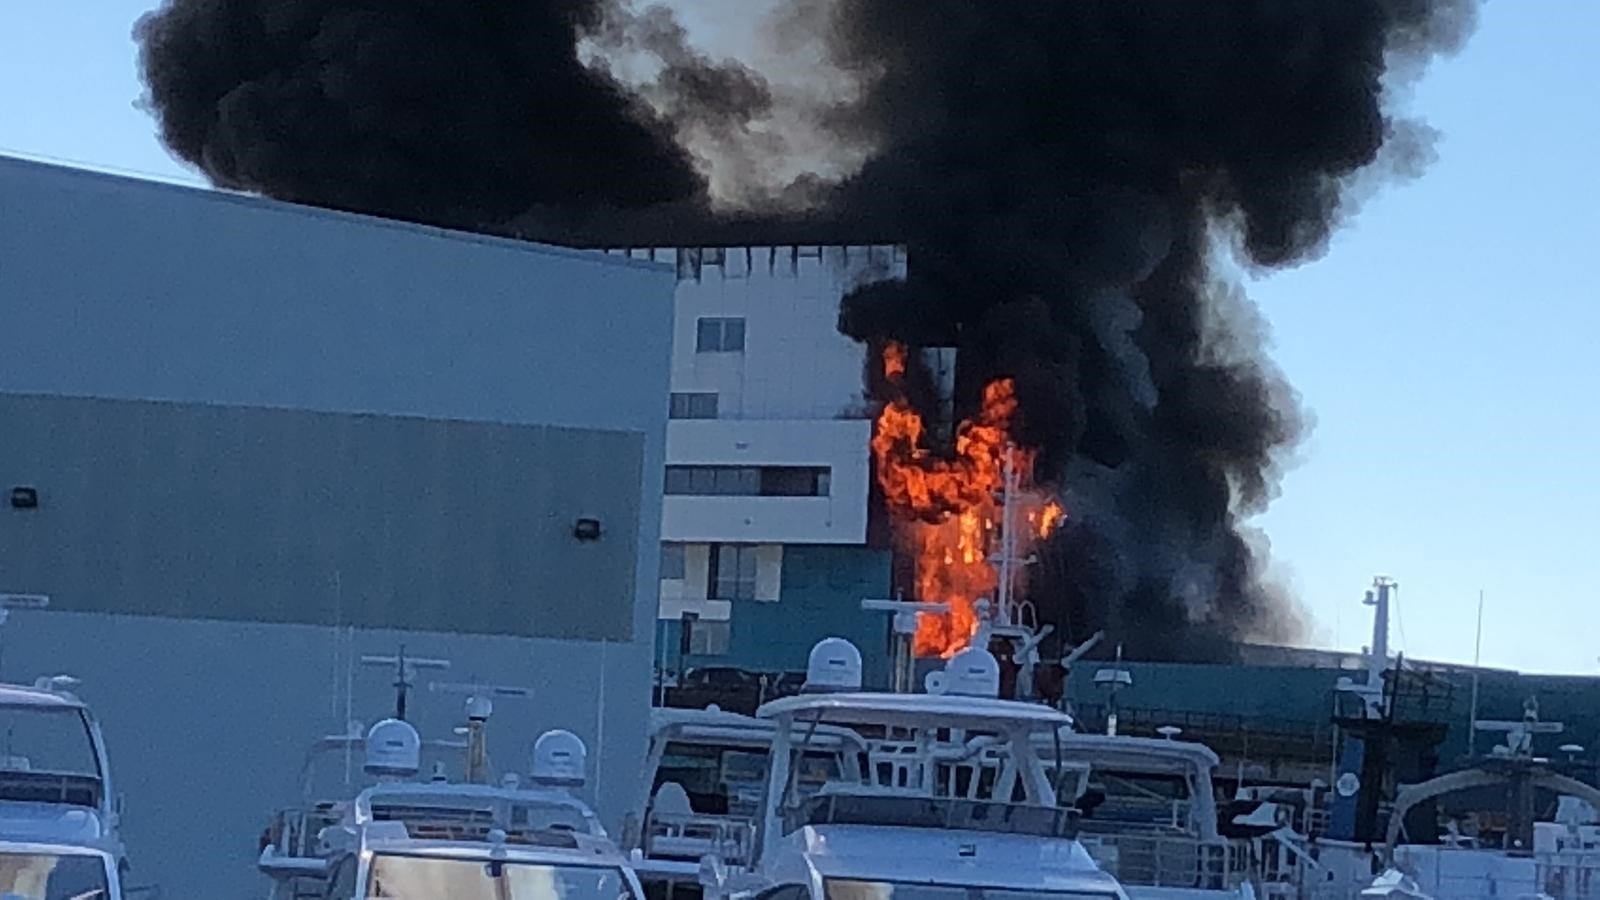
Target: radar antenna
405	674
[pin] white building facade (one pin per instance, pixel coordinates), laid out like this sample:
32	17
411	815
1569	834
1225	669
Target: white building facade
768	480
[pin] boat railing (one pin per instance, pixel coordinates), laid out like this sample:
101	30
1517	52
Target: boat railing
294	832
691	836
1126	811
1171	861
1567	875
1447	873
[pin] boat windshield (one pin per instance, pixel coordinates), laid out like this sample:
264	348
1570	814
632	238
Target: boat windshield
52	876
44	739
424	878
850	889
730	780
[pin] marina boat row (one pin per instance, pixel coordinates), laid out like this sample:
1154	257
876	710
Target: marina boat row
846	795
837	793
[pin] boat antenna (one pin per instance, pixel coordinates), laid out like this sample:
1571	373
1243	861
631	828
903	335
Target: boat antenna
480	706
1113	680
405	674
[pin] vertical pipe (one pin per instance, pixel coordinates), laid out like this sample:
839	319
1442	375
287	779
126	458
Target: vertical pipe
1002	611
1477	655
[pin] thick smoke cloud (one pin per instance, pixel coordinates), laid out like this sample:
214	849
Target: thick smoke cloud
1061	171
441	111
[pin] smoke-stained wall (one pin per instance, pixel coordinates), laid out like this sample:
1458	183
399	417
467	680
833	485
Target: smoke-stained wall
202	325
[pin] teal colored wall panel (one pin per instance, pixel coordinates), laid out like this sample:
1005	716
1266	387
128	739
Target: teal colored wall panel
820	596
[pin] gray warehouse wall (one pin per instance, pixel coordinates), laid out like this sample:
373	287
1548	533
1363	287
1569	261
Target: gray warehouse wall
267	515
475	353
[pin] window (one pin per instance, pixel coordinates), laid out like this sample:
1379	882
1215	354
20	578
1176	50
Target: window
693	405
721	335
749	481
785	892
54	739
733	572
708	638
395	875
795	481
672	562
48	875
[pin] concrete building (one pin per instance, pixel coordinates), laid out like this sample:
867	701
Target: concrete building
244	443
768	481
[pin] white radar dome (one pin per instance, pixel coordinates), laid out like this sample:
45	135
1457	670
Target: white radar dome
394	749
973	672
835	665
559	759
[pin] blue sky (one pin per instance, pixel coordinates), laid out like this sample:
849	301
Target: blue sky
1446	344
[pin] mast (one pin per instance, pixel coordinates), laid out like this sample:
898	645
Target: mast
1477	656
1003	613
904	623
1378	659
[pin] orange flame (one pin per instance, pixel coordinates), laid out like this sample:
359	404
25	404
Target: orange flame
947	511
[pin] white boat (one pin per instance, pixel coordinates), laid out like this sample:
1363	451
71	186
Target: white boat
59	838
1150	818
951	802
405	836
707	771
415	839
1557	859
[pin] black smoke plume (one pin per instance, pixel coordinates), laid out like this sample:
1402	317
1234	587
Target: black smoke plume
1062	173
451	112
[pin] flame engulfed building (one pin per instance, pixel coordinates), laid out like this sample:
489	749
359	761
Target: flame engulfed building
791	494
769	541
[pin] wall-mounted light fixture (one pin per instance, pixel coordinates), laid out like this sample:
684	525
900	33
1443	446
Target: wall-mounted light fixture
586	529
24	498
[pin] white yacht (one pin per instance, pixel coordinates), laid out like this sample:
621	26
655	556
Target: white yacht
950	802
413	839
707	772
1558	859
58	816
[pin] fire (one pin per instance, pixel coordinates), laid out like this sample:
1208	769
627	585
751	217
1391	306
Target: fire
947	511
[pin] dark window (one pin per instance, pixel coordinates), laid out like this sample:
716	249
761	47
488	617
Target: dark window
693	405
733	572
678	480
719	335
794	481
749	481
785	892
672	562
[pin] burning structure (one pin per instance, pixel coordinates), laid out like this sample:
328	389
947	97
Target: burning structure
1065	175
952	513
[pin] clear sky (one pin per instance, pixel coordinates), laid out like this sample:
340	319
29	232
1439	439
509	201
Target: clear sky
1446	345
